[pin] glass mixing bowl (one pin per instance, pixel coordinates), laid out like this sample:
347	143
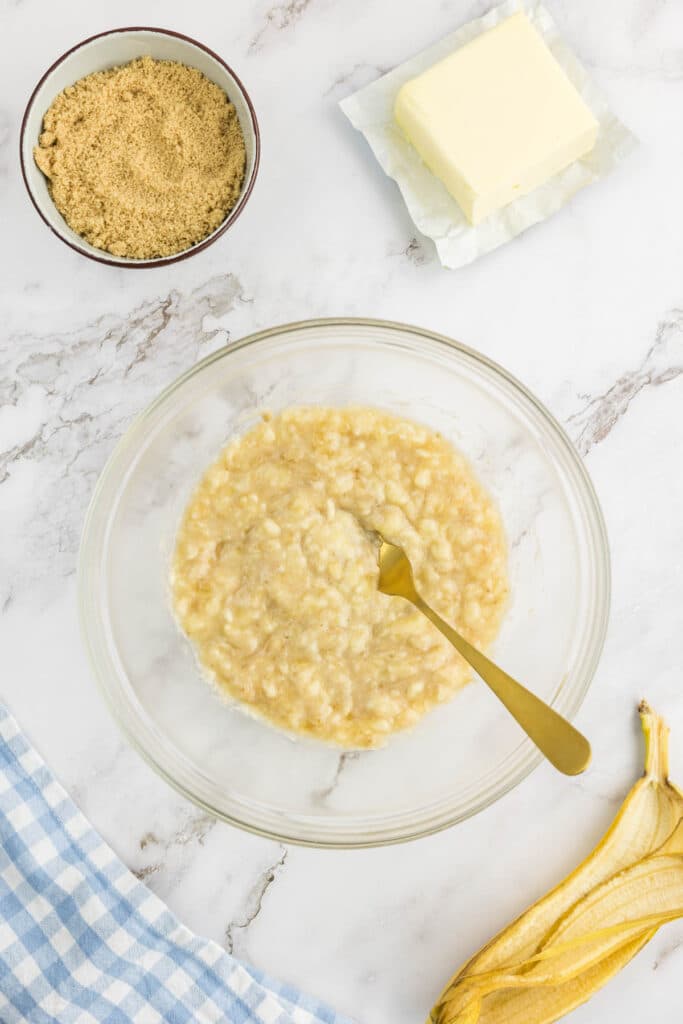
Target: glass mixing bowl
462	756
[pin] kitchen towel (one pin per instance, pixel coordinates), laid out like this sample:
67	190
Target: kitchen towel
82	941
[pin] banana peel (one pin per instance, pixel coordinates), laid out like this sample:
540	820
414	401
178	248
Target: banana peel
572	941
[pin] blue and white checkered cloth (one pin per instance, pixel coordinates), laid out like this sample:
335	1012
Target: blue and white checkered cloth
82	941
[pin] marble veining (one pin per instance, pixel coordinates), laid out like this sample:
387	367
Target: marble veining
236	931
585	310
662	363
347	757
194	830
67	397
666	953
355	78
278	18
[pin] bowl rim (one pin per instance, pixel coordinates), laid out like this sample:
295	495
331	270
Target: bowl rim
533	756
162	261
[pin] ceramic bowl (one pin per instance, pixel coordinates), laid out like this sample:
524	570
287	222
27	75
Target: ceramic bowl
108	49
463	755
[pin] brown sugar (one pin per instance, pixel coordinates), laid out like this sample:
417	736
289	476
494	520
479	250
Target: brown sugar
143	160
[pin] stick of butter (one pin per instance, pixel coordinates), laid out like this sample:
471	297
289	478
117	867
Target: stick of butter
497	118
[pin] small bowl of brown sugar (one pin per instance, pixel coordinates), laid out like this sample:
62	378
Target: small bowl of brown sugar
139	147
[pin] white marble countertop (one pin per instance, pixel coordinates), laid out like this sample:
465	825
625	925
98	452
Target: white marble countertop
587	309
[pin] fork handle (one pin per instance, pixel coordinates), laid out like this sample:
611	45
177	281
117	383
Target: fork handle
555	737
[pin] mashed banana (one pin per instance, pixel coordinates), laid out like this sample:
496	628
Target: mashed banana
274	575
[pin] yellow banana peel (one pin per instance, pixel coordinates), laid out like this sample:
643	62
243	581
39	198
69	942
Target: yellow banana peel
572	941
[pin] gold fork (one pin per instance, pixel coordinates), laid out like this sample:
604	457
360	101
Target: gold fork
554	736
